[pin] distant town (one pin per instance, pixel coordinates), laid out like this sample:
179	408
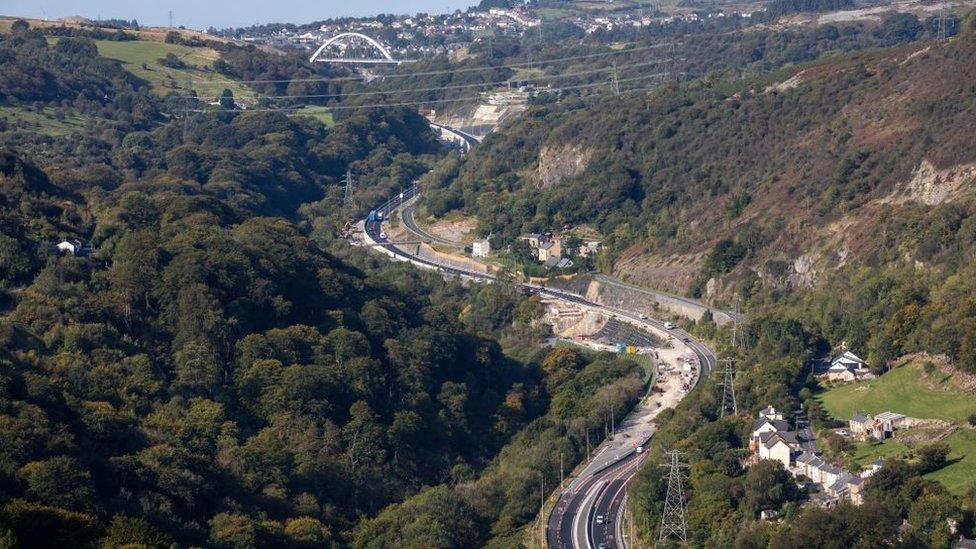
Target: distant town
426	35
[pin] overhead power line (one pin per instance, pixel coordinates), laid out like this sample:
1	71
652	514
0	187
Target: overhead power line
450	71
463	86
432	101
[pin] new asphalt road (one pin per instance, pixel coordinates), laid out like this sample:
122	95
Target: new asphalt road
588	511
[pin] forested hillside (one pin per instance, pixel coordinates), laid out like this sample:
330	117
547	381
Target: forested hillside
215	369
836	200
212	368
862	161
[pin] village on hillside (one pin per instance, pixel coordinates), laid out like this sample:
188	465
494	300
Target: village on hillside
798	452
789	438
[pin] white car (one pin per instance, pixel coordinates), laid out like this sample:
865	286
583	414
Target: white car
642	316
383	236
669	325
600	519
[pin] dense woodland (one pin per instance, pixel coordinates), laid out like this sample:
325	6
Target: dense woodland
217	370
220	371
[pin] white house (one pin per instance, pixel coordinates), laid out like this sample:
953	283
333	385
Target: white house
72	247
827	474
770	413
589	248
860	424
765	425
878	427
847	486
875	466
777	446
804	464
886	423
480	248
848	367
533	239
547	250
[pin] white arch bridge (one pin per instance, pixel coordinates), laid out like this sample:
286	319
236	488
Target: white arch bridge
387	58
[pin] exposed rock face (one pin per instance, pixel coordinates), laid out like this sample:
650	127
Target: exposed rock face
672	273
558	163
804	273
930	185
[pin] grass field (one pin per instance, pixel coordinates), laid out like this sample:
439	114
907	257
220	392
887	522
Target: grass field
141	58
322	114
960	475
44	122
867	452
905	390
908	390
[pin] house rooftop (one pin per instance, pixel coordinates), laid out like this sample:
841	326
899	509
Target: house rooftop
778	424
833	469
807	457
849	359
889	416
861	418
769	438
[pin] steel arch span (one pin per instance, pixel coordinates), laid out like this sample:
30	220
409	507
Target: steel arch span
336	38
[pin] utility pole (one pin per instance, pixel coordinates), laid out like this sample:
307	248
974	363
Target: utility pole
171	19
728	389
673	522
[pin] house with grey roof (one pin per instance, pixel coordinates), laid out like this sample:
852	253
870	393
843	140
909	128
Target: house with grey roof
848	367
777	446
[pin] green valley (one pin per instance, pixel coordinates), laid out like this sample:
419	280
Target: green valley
642	236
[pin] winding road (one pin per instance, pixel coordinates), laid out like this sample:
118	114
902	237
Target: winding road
411	225
588	513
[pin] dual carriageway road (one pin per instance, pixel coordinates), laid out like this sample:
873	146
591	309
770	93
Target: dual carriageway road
598	490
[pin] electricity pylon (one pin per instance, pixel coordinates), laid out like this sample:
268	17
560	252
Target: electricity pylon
728	389
673	522
348	181
735	323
